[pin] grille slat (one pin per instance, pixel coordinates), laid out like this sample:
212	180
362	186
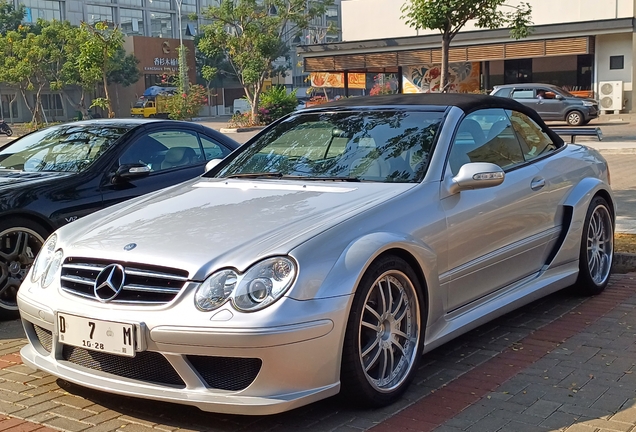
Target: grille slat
226	373
145	284
78	279
151	289
146	366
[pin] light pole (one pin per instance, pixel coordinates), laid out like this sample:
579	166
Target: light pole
182	64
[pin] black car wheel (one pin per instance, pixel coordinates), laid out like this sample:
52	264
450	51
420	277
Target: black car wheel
575	118
597	248
384	336
20	242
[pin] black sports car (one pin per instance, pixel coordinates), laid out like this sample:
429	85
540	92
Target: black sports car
56	175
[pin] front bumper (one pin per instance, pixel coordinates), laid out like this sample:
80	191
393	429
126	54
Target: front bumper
235	370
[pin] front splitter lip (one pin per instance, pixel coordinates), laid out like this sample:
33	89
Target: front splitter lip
202	399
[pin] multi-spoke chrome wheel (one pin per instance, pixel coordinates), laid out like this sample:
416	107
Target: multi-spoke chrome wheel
597	247
389	331
18	248
383	342
600	241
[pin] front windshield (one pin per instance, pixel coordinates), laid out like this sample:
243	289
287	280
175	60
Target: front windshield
65	148
383	146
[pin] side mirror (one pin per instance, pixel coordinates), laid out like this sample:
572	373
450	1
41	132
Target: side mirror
131	171
477	175
211	164
559	97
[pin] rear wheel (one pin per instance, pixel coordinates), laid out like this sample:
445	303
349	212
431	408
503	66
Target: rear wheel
20	241
384	336
597	248
575	118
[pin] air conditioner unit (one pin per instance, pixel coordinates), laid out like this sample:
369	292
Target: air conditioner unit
610	94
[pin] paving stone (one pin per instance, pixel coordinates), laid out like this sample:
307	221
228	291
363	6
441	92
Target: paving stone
558	420
67	424
542	408
581	428
609	425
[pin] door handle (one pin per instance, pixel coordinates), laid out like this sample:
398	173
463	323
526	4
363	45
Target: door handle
537	183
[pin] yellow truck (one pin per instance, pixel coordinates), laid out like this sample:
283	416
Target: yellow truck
153	103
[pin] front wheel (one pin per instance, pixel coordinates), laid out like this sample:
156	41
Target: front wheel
384	336
575	118
20	241
597	248
7	131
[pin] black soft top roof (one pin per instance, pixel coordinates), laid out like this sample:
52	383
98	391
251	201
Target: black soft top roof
466	102
436	101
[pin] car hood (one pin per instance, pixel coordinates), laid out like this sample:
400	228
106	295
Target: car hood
206	224
10	178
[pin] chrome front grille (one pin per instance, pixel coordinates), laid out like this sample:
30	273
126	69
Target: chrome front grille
143	283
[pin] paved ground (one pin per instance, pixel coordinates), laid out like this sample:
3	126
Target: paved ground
563	363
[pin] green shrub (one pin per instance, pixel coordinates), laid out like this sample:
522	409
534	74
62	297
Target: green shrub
276	103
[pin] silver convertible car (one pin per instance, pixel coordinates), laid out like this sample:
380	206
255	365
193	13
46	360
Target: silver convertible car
326	255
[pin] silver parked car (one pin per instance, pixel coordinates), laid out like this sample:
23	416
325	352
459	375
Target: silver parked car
326	255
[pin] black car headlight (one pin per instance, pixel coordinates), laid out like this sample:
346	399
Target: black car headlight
261	285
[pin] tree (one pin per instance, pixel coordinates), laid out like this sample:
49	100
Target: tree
450	16
10	17
32	57
252	34
96	57
123	69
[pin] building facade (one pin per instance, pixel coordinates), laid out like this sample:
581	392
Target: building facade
582	45
152	34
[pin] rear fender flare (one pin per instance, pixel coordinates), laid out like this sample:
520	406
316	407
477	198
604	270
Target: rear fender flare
579	200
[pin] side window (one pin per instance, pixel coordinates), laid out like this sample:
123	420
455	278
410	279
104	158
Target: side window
164	150
534	142
523	94
485	136
211	149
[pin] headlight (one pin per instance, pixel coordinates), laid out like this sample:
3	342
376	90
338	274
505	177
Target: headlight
260	286
588	103
44	258
215	290
52	269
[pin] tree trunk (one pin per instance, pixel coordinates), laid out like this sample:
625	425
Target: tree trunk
444	78
111	114
80	106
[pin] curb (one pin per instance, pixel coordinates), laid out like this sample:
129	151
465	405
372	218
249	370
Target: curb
241	129
624	263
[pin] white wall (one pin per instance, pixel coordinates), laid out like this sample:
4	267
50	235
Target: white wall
614	45
379	19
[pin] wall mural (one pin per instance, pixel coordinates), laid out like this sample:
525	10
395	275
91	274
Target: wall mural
463	78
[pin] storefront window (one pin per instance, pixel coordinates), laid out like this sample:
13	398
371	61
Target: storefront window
518	71
131	21
131	2
161	25
13	111
98	14
159	4
45	9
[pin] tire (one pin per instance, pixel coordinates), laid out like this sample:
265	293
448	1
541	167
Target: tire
375	339
597	248
575	118
8	132
20	241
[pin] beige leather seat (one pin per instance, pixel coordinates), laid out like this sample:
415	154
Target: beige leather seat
366	164
178	156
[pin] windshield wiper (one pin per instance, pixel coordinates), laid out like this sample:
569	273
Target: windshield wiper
343	179
279	175
257	175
